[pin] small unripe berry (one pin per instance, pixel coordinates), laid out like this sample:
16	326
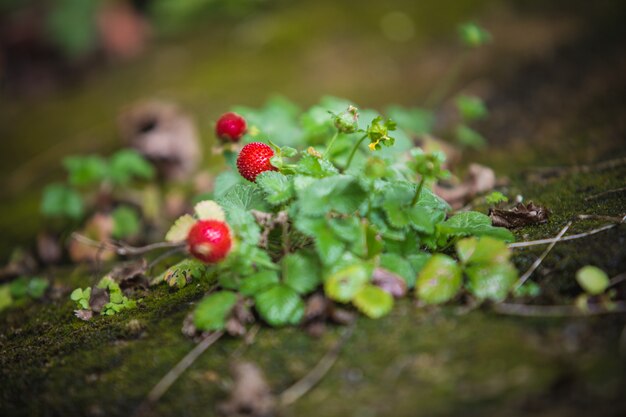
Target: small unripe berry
230	127
253	159
209	240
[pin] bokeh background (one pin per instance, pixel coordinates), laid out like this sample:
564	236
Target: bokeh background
68	67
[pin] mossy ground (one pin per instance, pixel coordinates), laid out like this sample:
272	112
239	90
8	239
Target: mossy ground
414	362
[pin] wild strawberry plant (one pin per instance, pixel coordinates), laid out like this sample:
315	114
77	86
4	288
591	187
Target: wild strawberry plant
338	202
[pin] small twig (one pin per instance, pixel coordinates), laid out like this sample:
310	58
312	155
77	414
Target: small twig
617	279
538	261
304	385
607	192
554	310
123	249
162	256
166	382
570	237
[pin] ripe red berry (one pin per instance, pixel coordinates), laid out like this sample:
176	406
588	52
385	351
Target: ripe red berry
230	127
209	240
253	159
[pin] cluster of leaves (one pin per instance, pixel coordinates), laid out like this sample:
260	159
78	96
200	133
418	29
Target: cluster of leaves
107	298
332	215
22	289
86	174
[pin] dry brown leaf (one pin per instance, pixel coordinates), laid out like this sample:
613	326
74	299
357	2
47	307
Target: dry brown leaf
479	179
250	395
164	135
389	282
519	216
98	228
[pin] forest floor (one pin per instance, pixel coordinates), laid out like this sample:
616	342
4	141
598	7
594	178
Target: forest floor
564	110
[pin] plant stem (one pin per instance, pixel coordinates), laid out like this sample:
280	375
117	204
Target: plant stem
330	145
354	149
416	197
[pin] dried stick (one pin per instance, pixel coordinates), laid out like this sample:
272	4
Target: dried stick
166	382
607	192
304	385
570	237
554	310
538	261
123	249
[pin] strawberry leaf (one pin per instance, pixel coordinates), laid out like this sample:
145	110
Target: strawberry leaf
277	187
439	281
280	305
492	282
473	223
301	272
346	282
373	301
259	282
212	312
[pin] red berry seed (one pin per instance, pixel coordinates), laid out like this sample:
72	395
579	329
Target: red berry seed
253	159
230	127
209	240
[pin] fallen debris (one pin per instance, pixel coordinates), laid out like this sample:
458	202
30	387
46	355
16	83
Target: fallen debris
250	395
519	216
479	179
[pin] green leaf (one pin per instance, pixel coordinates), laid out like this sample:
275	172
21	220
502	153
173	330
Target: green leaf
178	274
327	245
37	287
85	170
471	107
592	279
62	201
340	193
277	187
529	289
439	280
491	282
244	225
400	266
180	229
373	301
259	282
126	222
244	197
128	164
315	167
469	137
343	284
495	198
5	297
473	223
418	260
212	312
301	272
225	181
280	305
19	288
473	35
209	210
485	250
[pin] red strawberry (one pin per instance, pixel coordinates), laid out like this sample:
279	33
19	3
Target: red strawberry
230	127
253	159
209	240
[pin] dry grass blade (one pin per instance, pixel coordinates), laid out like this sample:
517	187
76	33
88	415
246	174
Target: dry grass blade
304	385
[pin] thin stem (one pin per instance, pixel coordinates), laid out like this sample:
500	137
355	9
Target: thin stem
556	310
330	145
125	250
166	382
304	385
354	149
545	253
416	197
